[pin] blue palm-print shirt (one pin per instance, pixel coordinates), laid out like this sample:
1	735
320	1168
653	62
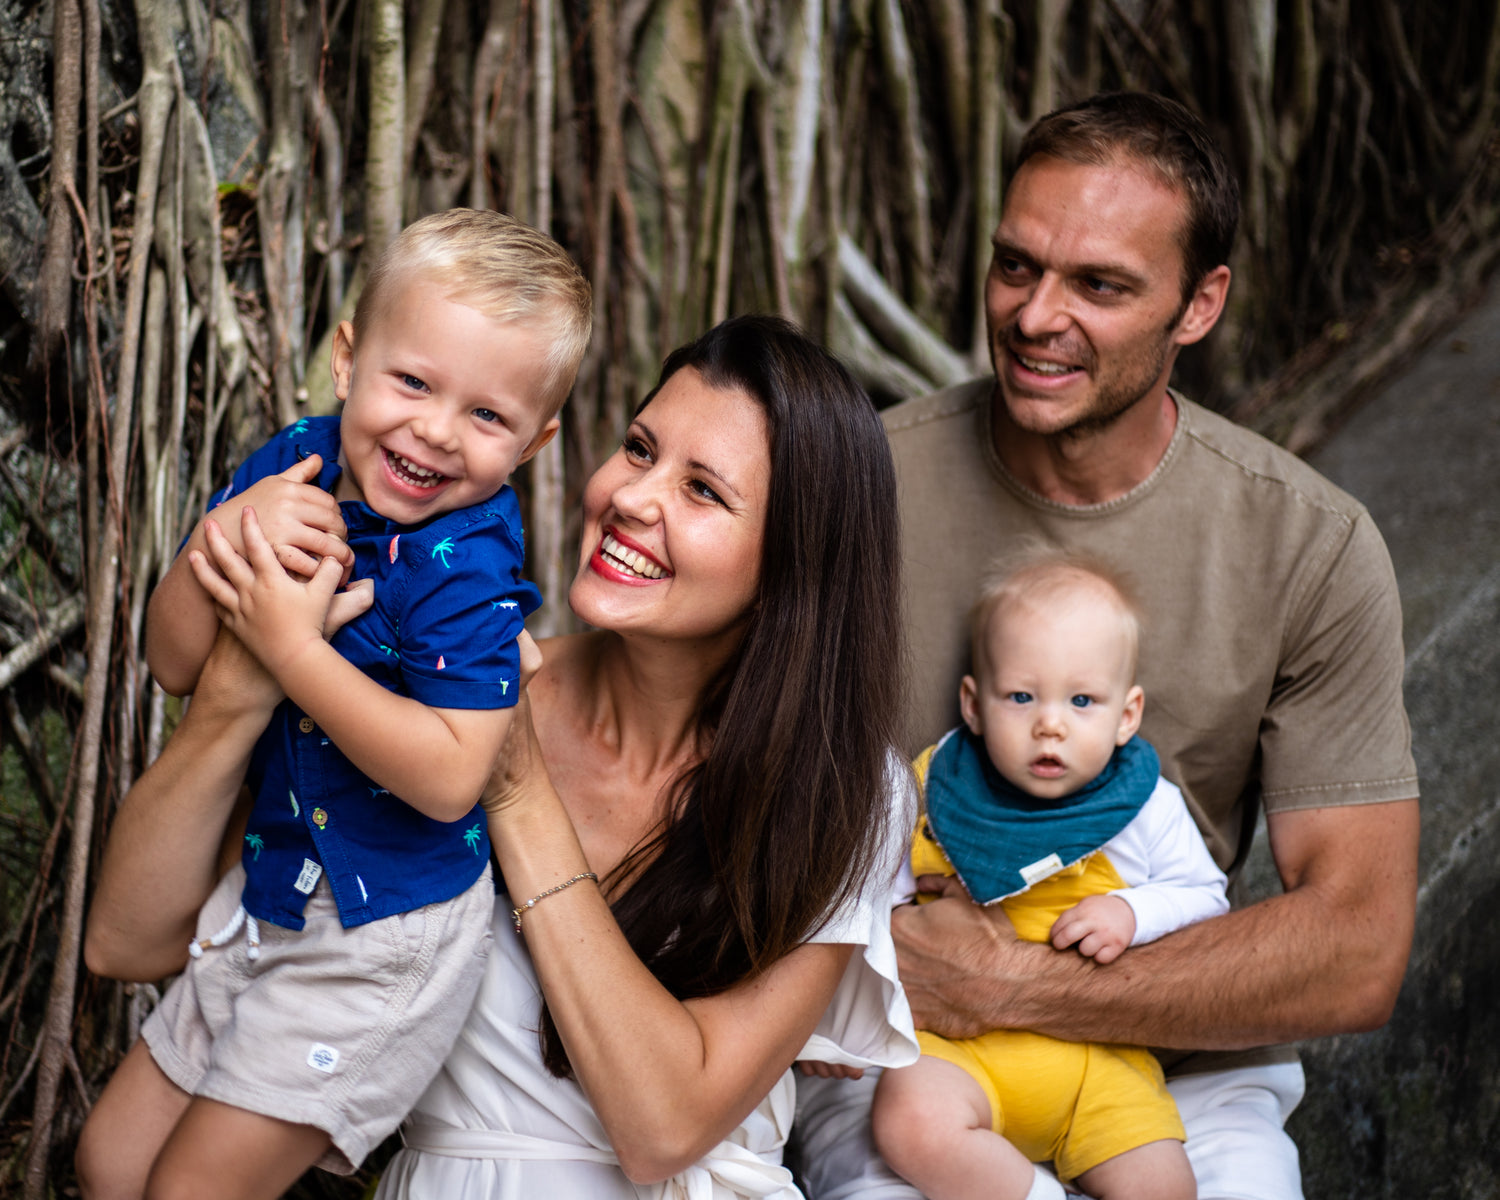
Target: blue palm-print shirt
449	604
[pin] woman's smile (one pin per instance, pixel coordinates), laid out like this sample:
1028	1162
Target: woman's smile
616	555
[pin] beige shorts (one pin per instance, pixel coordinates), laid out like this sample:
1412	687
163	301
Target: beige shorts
342	1029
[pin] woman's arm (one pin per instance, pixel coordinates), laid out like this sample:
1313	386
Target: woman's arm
668	1079
163	855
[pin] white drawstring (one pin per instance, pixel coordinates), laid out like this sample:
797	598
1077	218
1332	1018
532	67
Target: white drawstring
252	935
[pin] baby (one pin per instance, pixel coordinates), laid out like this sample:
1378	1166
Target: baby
365	853
1045	802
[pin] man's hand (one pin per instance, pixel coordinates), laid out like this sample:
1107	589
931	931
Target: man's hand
275	615
1100	926
300	520
811	1067
957	960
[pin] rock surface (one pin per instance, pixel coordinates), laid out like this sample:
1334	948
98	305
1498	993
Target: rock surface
1414	1109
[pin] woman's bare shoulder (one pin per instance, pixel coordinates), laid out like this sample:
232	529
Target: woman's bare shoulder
564	687
566	660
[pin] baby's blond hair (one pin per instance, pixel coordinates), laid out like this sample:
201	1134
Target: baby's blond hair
503	268
1042	573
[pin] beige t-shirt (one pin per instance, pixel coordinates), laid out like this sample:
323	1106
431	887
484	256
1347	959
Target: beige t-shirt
1271	657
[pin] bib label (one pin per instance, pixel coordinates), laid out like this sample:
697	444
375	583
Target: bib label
1041	869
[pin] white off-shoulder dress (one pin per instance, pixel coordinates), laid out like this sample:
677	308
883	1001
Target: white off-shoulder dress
496	1123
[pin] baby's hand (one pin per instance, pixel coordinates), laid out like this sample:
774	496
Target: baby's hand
300	520
1100	926
825	1070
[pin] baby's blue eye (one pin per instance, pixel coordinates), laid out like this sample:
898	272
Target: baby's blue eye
485	414
1082	701
1019	697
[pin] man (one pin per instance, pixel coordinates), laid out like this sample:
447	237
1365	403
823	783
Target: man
1272	656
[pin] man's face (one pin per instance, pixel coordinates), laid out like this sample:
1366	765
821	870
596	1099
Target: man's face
1084	295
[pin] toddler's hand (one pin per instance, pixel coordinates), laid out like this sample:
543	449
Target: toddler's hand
1100	927
301	521
274	614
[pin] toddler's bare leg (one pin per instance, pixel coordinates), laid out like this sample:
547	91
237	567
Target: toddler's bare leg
222	1151
932	1123
129	1124
1155	1171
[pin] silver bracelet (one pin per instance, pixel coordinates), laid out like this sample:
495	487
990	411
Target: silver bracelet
551	891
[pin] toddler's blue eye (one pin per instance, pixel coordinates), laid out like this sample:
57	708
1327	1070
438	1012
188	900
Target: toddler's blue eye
1019	697
1082	701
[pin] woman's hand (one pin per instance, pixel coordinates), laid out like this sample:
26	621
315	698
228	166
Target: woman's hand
519	764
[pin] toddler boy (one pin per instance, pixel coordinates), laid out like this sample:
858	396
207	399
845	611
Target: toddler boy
366	853
1045	802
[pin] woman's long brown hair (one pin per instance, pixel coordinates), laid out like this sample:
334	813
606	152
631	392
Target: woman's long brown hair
782	819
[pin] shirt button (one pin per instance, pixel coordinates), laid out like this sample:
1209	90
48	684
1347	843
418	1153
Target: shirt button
306	724
320	818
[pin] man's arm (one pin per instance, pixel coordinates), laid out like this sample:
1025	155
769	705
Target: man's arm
1326	956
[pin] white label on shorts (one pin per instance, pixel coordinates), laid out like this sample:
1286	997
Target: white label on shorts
322	1058
311	872
1042	868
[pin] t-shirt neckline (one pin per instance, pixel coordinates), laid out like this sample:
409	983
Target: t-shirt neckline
1034	500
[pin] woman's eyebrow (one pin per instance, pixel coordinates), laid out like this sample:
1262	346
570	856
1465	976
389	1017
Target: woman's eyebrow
698	465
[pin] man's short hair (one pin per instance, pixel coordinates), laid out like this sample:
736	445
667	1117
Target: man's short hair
499	266
1168	140
1041	573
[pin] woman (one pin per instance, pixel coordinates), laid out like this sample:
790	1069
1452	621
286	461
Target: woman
716	753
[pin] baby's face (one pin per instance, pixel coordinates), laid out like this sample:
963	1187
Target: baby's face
441	403
1053	697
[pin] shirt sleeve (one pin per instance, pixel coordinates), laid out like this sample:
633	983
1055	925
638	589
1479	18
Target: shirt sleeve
464	607
1335	730
1174	880
868	1022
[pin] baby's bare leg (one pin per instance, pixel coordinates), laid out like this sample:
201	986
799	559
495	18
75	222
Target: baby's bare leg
226	1152
128	1126
932	1123
1155	1171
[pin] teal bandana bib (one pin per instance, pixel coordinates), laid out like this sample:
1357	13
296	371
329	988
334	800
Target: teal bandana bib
1001	840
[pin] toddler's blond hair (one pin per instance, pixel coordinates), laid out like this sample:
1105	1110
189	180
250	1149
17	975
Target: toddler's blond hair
503	268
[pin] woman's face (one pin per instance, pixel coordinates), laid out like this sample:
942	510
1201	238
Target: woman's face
674	520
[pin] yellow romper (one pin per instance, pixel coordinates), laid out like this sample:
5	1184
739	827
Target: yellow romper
1074	1104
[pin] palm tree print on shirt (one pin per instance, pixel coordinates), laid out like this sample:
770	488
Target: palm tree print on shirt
443	549
472	836
254	841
